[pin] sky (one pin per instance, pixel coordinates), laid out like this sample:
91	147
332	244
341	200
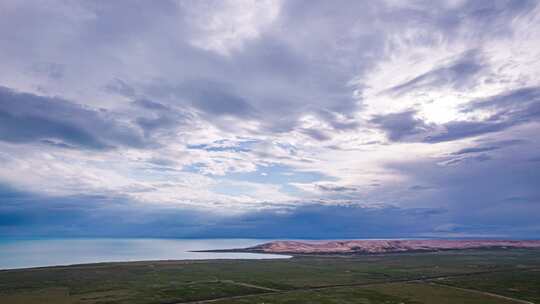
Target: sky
270	119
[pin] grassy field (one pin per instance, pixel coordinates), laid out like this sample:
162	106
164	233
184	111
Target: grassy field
475	276
390	293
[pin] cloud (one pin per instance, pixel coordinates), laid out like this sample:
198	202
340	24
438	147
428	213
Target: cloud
475	150
215	98
50	70
255	118
420	188
233	24
505	110
496	145
521	103
476	158
458	74
117	216
226	145
534	159
335	188
25	117
483	183
316	134
501	112
151	105
400	126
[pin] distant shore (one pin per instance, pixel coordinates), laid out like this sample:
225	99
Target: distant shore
352	247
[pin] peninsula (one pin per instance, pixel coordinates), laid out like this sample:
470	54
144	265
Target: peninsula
379	246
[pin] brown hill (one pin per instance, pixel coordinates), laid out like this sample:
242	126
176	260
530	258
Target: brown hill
383	246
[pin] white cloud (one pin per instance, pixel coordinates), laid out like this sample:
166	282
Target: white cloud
224	26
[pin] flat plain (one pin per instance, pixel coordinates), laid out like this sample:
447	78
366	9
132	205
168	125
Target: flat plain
465	276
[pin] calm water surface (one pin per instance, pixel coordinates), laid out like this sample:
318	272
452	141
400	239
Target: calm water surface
52	252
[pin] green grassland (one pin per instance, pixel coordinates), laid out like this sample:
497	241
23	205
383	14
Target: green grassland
515	284
471	276
390	293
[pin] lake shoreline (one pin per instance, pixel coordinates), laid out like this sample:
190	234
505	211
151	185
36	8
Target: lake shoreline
36	253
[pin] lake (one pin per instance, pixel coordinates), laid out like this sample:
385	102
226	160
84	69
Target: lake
53	252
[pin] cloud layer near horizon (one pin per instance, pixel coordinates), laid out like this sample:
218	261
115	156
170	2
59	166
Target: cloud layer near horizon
270	118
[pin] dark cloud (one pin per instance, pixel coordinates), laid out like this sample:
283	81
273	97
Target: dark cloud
475	150
338	123
149	124
335	188
508	109
496	145
91	215
332	221
456	130
400	126
151	105
222	103
316	134
117	216
159	118
214	98
481	157
474	158
472	193
26	117
460	73
120	87
420	188
57	144
522	103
